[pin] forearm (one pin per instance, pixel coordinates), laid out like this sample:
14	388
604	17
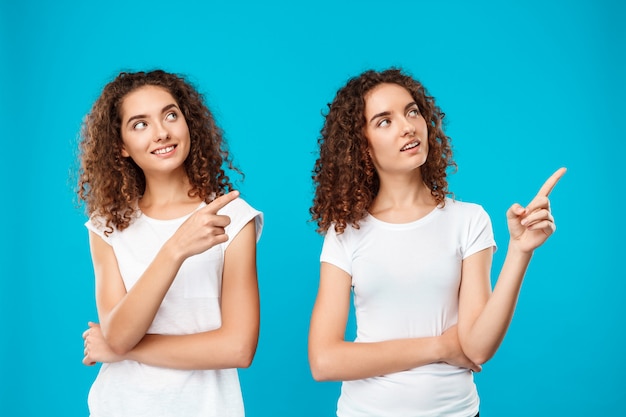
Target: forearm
344	361
216	349
486	334
128	321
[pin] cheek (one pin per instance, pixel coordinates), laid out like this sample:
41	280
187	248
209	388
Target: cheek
182	131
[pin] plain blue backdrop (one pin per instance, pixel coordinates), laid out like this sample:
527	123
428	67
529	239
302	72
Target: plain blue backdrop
526	87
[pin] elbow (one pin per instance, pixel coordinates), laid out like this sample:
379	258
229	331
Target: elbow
322	368
477	353
243	354
479	357
119	347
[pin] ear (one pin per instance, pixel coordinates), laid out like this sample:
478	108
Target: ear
124	152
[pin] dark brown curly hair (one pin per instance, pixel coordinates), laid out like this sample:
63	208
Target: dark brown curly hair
344	176
110	184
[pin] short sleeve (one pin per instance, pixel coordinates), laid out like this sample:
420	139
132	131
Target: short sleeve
98	226
335	250
240	213
480	233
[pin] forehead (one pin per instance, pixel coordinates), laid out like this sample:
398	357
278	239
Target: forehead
145	100
384	97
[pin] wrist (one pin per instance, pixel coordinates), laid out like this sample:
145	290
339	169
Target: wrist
516	249
171	250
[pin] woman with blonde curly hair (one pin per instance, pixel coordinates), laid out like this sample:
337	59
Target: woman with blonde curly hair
173	250
417	262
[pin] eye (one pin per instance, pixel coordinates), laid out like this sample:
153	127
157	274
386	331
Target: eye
140	125
171	116
414	112
384	123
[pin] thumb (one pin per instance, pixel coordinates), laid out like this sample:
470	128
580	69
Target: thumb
515	211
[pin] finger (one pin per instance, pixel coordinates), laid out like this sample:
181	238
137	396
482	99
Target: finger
547	186
221	201
547	226
219	221
536	217
515	211
539	203
86	333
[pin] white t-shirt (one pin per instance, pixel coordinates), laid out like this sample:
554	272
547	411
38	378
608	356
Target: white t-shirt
191	305
406	280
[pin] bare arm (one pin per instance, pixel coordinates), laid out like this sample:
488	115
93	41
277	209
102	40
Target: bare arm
126	316
484	317
231	346
333	358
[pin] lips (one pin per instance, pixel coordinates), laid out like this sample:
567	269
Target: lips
411	145
164	150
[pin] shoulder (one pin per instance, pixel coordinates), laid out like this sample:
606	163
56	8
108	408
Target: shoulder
237	206
240	213
350	235
98	225
464	209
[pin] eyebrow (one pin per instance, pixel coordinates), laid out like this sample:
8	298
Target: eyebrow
387	113
144	116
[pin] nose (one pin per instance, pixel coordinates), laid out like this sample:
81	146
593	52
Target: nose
408	128
161	133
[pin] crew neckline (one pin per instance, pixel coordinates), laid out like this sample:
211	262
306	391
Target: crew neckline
183	217
424	219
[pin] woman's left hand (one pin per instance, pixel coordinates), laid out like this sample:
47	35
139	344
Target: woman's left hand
531	226
96	347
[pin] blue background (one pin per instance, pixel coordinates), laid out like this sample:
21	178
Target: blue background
526	88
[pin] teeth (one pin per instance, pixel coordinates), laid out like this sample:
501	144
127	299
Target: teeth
164	150
410	146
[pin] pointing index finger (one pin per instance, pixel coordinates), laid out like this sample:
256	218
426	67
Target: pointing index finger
221	201
547	186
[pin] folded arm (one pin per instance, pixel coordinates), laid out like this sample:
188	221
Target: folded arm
231	346
333	358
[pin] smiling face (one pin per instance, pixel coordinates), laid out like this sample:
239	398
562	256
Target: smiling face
395	130
153	129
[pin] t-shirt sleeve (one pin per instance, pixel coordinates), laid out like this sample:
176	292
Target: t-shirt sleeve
240	213
334	250
97	225
480	233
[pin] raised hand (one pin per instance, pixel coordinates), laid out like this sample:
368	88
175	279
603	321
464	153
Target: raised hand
530	226
204	228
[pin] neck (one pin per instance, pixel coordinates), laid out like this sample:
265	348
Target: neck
164	190
402	199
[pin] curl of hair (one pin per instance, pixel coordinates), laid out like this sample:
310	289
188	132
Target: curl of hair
344	176
110	184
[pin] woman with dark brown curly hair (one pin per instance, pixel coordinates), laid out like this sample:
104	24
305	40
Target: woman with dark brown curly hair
417	261
173	250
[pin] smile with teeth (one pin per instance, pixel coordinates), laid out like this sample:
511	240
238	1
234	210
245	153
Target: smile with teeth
410	146
165	150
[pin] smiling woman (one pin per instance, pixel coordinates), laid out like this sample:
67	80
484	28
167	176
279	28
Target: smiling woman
159	131
174	254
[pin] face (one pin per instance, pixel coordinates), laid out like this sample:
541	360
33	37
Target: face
154	131
395	130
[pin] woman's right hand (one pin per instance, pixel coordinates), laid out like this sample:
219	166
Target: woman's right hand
96	347
203	229
452	352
